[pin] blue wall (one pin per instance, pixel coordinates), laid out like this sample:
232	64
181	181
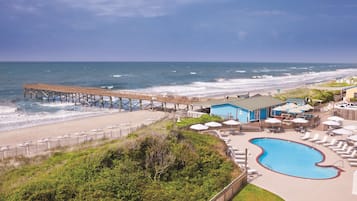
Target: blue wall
228	111
263	113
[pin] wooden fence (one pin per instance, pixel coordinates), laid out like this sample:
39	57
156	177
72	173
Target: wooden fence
346	113
231	189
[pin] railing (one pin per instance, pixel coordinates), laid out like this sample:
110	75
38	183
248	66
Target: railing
231	189
47	145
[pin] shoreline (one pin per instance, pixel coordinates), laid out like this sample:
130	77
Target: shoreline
123	119
46	129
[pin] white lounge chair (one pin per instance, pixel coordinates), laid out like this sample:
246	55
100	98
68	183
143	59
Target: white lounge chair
306	136
350	156
331	143
348	151
353	164
339	145
344	147
315	138
239	161
239	156
252	171
322	141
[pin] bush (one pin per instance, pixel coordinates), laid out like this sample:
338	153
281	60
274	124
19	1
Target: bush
178	165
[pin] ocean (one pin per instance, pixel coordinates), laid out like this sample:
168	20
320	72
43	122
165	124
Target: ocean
200	79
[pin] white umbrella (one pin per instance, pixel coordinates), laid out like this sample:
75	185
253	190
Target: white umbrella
213	124
353	138
198	127
335	118
231	122
331	123
273	121
342	131
351	127
300	121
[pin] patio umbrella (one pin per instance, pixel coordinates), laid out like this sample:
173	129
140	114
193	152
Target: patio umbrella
335	118
231	123
300	121
331	123
353	138
198	127
342	131
213	124
273	121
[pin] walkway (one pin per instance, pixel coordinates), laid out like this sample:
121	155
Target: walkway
296	189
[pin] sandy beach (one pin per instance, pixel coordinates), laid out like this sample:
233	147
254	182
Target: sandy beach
135	118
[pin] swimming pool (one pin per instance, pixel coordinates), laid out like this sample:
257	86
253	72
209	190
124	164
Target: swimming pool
293	159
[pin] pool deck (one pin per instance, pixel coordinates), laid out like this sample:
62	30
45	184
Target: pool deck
293	188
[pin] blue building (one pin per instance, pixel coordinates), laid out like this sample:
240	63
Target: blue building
246	110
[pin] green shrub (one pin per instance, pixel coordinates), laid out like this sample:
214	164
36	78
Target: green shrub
173	165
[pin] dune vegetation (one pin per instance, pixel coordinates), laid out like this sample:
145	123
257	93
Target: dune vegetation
313	94
154	163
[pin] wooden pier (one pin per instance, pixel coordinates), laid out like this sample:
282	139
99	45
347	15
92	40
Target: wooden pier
91	96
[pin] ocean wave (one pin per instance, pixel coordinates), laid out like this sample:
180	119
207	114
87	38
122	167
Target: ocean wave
7	110
266	70
23	119
240	71
244	85
193	73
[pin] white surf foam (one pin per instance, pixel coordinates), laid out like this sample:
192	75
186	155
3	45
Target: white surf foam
14	119
7	110
266	83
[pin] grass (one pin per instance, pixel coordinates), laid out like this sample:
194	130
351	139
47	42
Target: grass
124	169
335	84
323	95
253	193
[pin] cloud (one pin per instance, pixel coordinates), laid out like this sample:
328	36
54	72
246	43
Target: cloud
22	6
128	8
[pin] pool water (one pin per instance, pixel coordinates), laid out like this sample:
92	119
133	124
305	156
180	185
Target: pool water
293	159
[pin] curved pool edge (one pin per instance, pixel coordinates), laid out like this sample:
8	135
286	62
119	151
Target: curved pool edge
339	170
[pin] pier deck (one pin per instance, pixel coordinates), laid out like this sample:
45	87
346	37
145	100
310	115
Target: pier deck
91	94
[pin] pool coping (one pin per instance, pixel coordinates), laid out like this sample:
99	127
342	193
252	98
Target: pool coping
316	164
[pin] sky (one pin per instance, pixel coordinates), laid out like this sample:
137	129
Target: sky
179	30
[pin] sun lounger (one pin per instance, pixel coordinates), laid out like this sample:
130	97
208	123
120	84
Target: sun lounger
348	151
339	145
344	147
352	159
239	161
331	143
252	171
350	156
315	138
239	156
353	164
322	141
306	136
